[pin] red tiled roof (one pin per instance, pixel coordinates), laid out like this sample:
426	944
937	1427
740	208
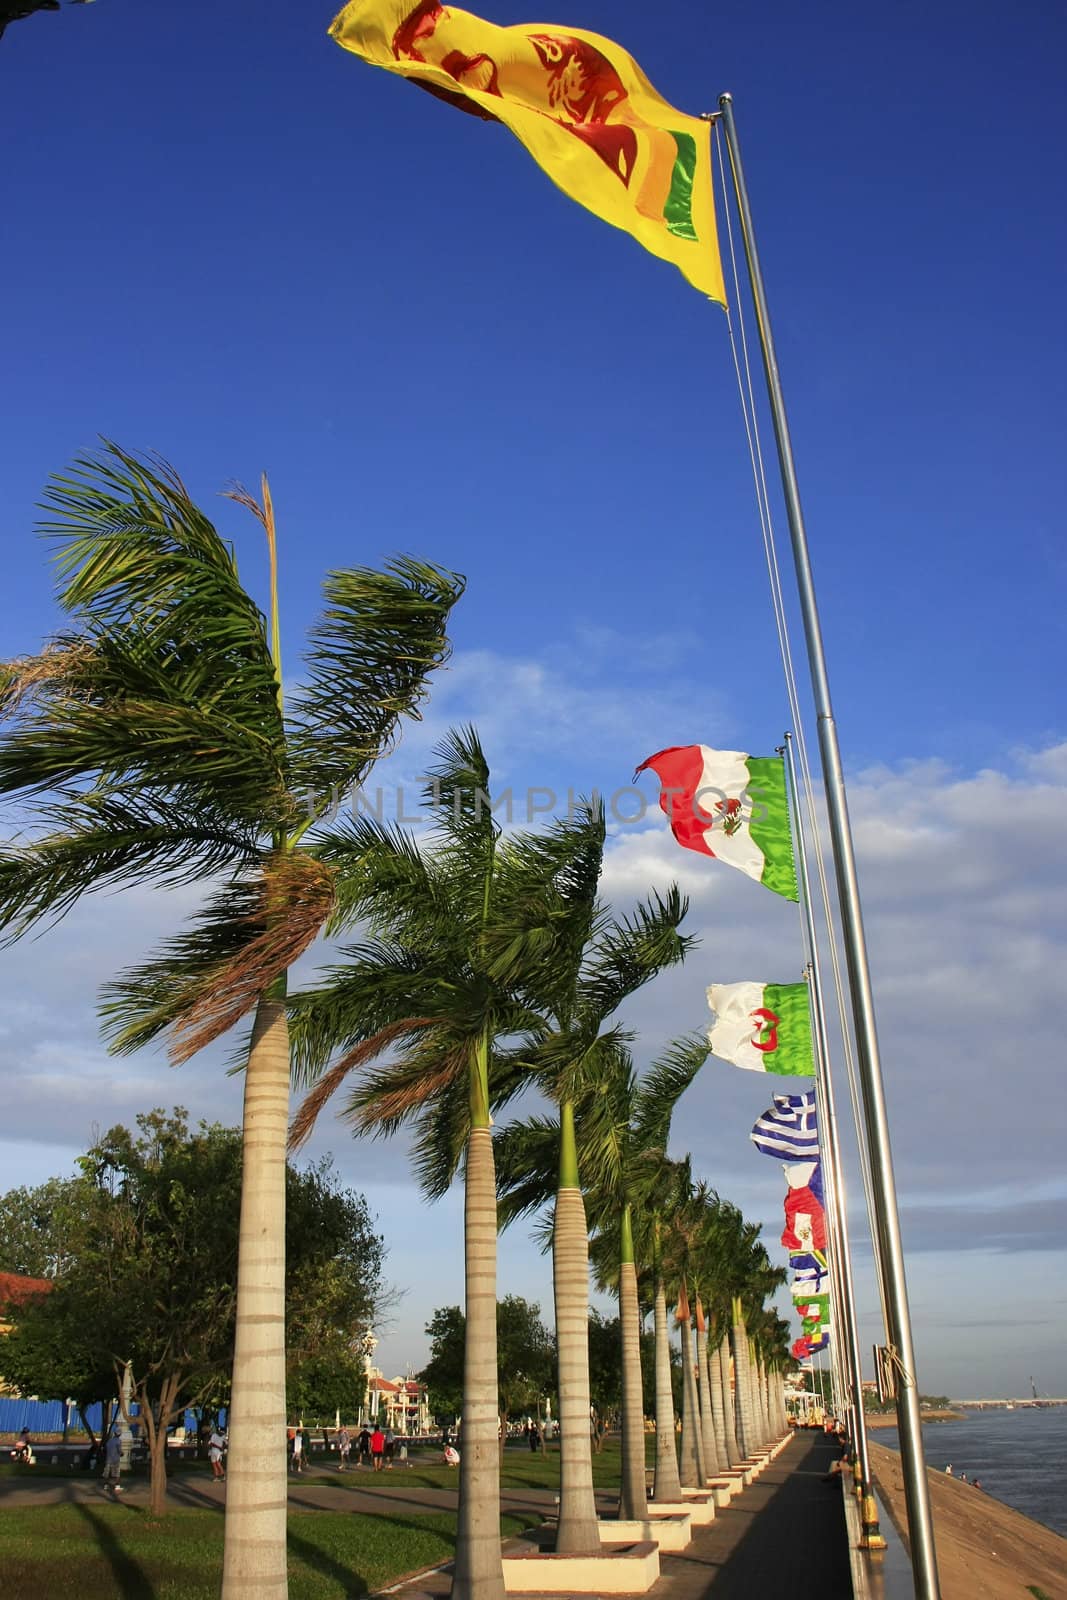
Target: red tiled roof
14	1288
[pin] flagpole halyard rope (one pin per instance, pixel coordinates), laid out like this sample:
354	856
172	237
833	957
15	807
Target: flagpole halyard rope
746	396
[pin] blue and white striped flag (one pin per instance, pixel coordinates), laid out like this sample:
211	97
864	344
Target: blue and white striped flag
788	1131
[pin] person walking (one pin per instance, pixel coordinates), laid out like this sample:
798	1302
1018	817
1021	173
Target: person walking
377	1447
216	1449
296	1463
389	1448
363	1444
113	1463
344	1446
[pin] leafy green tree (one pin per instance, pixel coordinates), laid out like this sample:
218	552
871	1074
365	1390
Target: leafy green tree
35	1228
153	734
605	1373
526	1359
46	1352
526	1354
443	1373
152	1284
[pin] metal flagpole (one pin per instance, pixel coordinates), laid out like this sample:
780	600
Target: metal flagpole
884	1199
872	1534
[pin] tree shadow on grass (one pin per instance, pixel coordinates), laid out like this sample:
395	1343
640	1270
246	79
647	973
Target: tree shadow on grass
353	1582
131	1580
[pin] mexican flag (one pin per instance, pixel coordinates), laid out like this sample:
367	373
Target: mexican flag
732	806
763	1027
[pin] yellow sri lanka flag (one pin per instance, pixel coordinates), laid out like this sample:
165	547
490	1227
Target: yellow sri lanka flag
581	106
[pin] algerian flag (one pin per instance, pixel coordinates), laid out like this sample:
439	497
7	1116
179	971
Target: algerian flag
733	806
763	1027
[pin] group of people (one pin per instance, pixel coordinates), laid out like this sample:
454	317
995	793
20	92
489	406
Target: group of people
976	1484
377	1446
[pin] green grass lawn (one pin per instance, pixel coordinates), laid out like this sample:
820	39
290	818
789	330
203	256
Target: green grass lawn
100	1552
522	1469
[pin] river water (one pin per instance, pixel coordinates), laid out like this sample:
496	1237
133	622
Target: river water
1020	1456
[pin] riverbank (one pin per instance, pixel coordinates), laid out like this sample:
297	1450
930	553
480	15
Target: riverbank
888	1419
985	1550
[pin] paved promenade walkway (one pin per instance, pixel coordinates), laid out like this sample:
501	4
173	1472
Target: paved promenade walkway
783	1539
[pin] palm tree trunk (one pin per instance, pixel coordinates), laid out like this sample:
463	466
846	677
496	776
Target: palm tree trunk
255	1561
759	1431
633	1500
715	1381
479	1573
766	1428
707	1422
733	1452
692	1470
668	1488
742	1397
577	1529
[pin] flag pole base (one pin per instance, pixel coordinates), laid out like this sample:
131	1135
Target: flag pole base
871	1538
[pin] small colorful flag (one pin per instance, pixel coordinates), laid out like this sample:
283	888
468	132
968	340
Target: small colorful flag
809	1281
582	107
763	1027
805	1224
732	806
789	1131
803	1349
814	1313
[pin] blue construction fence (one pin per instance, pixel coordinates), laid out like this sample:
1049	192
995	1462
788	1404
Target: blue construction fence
51	1416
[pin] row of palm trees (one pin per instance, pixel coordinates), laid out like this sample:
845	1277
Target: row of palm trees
150	742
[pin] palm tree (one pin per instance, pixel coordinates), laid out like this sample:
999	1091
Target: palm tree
153	735
452	949
600	963
619	1129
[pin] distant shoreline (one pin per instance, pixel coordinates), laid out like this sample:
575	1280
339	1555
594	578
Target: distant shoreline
879	1419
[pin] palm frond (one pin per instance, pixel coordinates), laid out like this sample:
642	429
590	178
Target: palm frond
632	950
331	1081
166	680
378	984
101	840
382	879
546	907
380	637
384	1100
526	1157
204	981
663	1086
458	795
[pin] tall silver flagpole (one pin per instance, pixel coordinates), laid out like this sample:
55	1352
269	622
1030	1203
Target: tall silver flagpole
884	1199
872	1533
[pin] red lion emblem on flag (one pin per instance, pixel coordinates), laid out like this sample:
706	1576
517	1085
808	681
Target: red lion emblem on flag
581	90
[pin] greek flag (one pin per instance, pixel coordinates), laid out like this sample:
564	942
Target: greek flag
788	1131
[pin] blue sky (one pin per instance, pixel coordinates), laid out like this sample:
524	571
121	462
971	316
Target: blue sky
231	242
